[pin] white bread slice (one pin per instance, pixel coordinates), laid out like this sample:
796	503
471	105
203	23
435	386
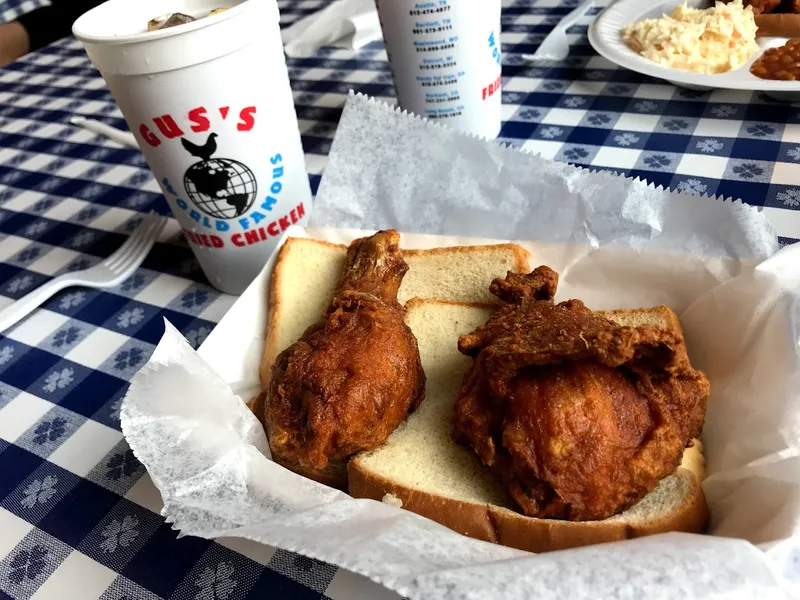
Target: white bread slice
422	469
459	273
307	272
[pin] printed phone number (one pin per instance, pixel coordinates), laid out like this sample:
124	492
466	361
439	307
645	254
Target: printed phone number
435	48
432	29
445	116
429	11
445	65
440	100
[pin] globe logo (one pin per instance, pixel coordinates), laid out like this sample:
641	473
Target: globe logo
220	187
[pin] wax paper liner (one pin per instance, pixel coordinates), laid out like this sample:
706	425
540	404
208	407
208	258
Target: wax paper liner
206	452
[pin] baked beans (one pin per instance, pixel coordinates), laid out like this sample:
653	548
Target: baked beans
781	63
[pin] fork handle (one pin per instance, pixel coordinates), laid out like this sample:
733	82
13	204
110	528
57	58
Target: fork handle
20	309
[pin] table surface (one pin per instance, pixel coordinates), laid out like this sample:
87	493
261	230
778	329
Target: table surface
77	510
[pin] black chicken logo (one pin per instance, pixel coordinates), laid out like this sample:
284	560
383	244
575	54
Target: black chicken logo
220	187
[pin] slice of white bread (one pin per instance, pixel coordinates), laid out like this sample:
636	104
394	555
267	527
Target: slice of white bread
422	469
307	272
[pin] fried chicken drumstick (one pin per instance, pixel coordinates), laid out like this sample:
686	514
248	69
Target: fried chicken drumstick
353	377
577	416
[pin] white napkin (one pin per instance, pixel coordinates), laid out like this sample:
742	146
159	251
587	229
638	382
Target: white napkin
350	24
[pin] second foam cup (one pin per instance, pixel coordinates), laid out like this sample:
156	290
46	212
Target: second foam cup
445	59
211	108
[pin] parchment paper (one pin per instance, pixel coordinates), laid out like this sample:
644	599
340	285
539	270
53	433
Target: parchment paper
615	243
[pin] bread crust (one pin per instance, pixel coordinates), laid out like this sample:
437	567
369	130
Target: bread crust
521	255
504	526
273	307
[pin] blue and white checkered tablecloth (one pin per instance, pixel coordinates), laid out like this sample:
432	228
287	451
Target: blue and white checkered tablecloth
79	517
11	9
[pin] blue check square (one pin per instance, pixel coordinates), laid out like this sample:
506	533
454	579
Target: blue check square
66	337
126	361
30	563
59	380
40	492
694	186
71	301
195	299
109	412
118	471
21	282
78	512
10	352
748	170
81	263
135	283
710	146
15	464
50	431
163	562
123	588
197	331
627	139
220	572
784	196
116	539
131	317
100	387
310	572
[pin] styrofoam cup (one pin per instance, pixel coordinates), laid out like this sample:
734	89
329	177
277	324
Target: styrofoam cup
445	60
211	107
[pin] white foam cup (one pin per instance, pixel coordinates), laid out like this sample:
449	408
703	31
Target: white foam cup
211	107
445	60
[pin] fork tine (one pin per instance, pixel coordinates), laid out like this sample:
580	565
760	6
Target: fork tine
142	248
120	251
144	238
124	251
143	241
122	255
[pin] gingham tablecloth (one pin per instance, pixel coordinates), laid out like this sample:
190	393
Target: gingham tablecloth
79	517
11	9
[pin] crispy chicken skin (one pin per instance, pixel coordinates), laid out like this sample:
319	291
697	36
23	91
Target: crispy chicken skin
353	377
578	417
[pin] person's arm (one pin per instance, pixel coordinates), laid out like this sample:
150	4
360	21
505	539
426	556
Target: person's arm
14	42
40	27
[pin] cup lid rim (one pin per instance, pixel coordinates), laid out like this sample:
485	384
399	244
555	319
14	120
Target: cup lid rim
147	36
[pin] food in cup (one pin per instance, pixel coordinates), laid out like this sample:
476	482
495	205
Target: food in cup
781	63
712	40
175	19
168	21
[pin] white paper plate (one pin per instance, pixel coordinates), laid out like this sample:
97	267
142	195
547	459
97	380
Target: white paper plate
604	35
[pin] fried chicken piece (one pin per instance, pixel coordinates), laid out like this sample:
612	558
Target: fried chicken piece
353	377
789	6
763	7
577	416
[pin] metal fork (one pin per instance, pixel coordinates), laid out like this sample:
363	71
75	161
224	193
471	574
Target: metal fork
112	271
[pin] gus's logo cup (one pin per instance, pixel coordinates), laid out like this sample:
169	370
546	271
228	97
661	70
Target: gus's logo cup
211	107
445	60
